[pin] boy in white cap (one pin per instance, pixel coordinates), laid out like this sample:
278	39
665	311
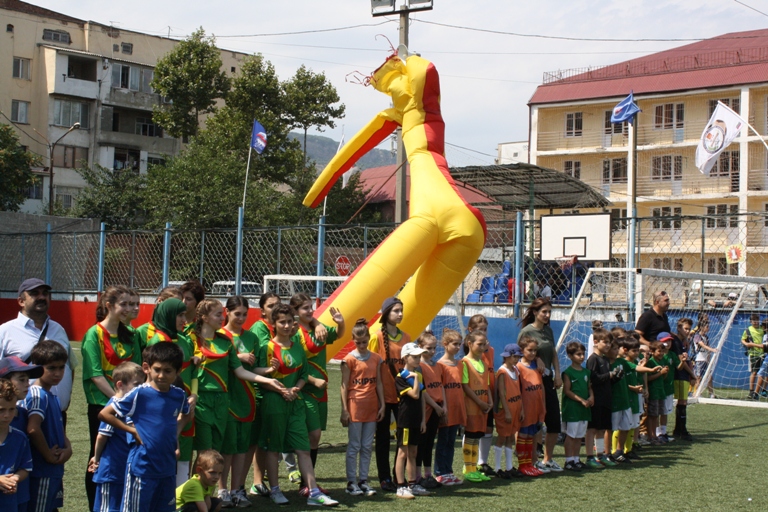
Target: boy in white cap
410	421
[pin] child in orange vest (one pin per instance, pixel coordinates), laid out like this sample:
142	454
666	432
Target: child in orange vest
475	381
508	409
532	390
454	405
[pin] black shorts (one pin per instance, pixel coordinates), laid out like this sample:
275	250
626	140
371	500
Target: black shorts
408	436
552	416
755	362
601	418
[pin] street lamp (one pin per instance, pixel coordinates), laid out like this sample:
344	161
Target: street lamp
385	8
51	147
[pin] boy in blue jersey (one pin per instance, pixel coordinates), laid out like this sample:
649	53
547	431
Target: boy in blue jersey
110	455
45	428
158	411
15	457
19	373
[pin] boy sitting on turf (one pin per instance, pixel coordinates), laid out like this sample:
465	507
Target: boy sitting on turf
577	402
15	456
19	373
110	455
197	494
158	411
45	428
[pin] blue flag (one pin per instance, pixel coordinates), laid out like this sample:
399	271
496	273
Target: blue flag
624	110
258	137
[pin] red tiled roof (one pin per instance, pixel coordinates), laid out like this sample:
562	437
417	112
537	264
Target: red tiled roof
733	59
18	6
373	178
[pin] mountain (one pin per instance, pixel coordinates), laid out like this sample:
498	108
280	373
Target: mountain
321	150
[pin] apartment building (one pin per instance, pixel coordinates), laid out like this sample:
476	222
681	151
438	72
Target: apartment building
677	91
58	71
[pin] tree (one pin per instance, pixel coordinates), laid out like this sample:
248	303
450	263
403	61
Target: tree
114	197
309	102
15	170
190	77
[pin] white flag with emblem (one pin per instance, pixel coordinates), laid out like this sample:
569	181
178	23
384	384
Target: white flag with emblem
724	126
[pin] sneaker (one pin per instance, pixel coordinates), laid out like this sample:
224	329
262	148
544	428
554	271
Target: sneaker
366	489
260	490
486	470
608	461
430	482
764	393
453	480
752	396
503	474
669	438
643	441
354	489
632	455
475	476
514	473
542	467
405	493
581	465
294	476
278	498
226	498
239	498
621	459
553	466
388	486
418	490
529	470
304	491
572	466
593	463
662	439
444	479
321	500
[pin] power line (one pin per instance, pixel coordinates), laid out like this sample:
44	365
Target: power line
469	149
317	31
750	7
566	38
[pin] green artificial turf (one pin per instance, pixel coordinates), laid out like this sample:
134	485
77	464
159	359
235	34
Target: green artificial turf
720	470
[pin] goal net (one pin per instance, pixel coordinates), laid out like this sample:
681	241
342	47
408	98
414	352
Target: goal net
720	308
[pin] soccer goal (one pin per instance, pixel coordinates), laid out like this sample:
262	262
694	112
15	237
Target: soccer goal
719	306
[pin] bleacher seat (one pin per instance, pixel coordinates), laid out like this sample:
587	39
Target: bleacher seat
488	297
488	285
506	268
474	297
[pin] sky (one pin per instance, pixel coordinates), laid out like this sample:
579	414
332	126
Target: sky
486	78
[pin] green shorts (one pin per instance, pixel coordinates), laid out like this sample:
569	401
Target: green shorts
211	418
314	418
237	437
186	447
283	424
681	389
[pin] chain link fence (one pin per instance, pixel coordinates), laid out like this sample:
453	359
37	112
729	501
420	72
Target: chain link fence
720	243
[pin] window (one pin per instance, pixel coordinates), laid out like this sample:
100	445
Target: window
126	48
20	111
614	128
59	36
35	190
618	219
70	157
615	170
734	103
573	124
572	168
662	263
154	160
232	69
667	168
126	159
131	77
115	48
618	263
66	113
667	211
727	216
145	126
21	68
721	266
9	28
728	165
669	116
570	212
65	197
82	69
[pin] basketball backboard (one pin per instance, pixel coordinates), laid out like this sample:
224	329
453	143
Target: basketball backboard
587	236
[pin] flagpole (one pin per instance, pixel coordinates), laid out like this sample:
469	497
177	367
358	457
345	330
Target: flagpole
247	168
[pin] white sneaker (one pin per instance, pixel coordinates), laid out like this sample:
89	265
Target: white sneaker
367	489
226	498
354	490
418	490
405	493
553	466
278	498
541	467
322	500
239	499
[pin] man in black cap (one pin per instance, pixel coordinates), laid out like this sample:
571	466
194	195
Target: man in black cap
19	336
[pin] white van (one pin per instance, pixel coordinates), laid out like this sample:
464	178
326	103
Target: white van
227	289
755	295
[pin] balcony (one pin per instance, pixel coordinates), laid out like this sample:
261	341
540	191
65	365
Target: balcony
158	145
74	76
597	140
131	99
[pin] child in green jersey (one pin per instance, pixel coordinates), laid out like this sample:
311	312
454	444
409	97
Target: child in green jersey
315	392
622	420
145	332
656	393
283	411
242	407
577	402
218	359
674	363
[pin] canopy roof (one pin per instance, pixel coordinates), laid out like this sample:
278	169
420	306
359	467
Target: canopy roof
521	186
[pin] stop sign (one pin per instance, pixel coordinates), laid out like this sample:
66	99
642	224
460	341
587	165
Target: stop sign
343	265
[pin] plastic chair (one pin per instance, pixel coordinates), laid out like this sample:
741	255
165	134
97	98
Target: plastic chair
506	268
474	297
488	297
488	285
